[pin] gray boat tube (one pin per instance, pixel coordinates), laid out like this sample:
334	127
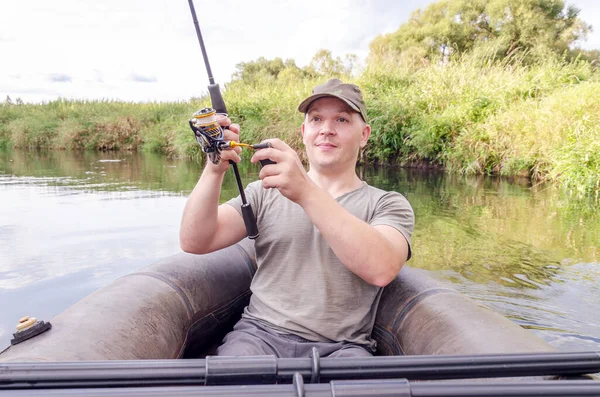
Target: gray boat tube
154	313
419	316
182	306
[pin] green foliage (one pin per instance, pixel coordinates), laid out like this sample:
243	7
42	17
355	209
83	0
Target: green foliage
591	56
262	68
96	125
533	28
554	136
322	65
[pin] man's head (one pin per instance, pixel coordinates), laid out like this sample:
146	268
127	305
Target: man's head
334	128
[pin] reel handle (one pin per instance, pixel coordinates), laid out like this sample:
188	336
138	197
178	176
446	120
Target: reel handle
265	145
266	162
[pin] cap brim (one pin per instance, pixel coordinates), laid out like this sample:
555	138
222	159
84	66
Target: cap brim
305	104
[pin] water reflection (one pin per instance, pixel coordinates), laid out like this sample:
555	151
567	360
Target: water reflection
562	312
71	222
490	229
109	171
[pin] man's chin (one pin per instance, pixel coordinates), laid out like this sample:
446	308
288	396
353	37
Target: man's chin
326	160
326	164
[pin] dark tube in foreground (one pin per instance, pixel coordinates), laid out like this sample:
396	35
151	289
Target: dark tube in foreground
267	369
385	388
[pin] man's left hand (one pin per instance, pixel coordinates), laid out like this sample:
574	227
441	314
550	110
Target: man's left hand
287	175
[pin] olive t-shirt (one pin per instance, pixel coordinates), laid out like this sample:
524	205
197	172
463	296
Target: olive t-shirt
301	286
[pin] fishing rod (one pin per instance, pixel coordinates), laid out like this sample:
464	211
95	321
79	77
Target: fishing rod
205	123
221	370
344	388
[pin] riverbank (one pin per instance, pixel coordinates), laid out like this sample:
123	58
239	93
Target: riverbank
540	121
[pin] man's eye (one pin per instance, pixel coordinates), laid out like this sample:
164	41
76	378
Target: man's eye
315	118
343	119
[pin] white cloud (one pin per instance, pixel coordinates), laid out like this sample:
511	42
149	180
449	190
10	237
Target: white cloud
59	78
103	45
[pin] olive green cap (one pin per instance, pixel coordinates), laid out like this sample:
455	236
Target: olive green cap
349	93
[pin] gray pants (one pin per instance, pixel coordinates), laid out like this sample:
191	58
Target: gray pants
249	338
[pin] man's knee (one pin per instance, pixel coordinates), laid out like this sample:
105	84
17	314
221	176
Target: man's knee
350	351
237	343
242	348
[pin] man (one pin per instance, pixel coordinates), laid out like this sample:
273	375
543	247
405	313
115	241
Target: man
328	242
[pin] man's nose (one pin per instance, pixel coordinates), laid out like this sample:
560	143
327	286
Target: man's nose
327	128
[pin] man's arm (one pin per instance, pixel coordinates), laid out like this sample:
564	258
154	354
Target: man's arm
374	253
207	226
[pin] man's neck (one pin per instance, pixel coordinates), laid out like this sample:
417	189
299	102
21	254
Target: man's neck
336	184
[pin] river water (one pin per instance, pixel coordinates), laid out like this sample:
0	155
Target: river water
71	223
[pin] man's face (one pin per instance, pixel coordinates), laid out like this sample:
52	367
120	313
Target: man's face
333	134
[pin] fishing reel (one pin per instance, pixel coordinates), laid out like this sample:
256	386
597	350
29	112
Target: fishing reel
209	133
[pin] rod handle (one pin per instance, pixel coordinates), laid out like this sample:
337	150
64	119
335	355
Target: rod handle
249	221
216	98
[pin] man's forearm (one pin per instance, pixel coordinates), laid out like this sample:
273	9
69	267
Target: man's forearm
361	248
201	209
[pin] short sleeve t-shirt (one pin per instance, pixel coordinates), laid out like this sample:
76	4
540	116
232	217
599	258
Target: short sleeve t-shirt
301	286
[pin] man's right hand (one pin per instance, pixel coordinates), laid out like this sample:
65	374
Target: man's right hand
232	133
207	226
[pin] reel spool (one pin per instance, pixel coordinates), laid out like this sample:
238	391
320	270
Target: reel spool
208	132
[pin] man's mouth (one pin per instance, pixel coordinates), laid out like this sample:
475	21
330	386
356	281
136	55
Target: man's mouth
326	145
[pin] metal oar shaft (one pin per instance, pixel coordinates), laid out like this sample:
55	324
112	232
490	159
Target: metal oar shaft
254	370
388	388
461	367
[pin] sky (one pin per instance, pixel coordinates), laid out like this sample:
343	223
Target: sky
134	50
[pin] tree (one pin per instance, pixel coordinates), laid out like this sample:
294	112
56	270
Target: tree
322	64
325	64
262	68
509	26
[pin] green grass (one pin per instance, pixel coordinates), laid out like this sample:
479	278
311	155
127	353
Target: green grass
555	138
469	116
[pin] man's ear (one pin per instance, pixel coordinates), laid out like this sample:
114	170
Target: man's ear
366	133
302	132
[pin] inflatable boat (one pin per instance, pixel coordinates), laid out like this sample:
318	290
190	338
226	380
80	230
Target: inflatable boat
121	341
182	306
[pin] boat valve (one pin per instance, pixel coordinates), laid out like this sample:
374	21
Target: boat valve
27	328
